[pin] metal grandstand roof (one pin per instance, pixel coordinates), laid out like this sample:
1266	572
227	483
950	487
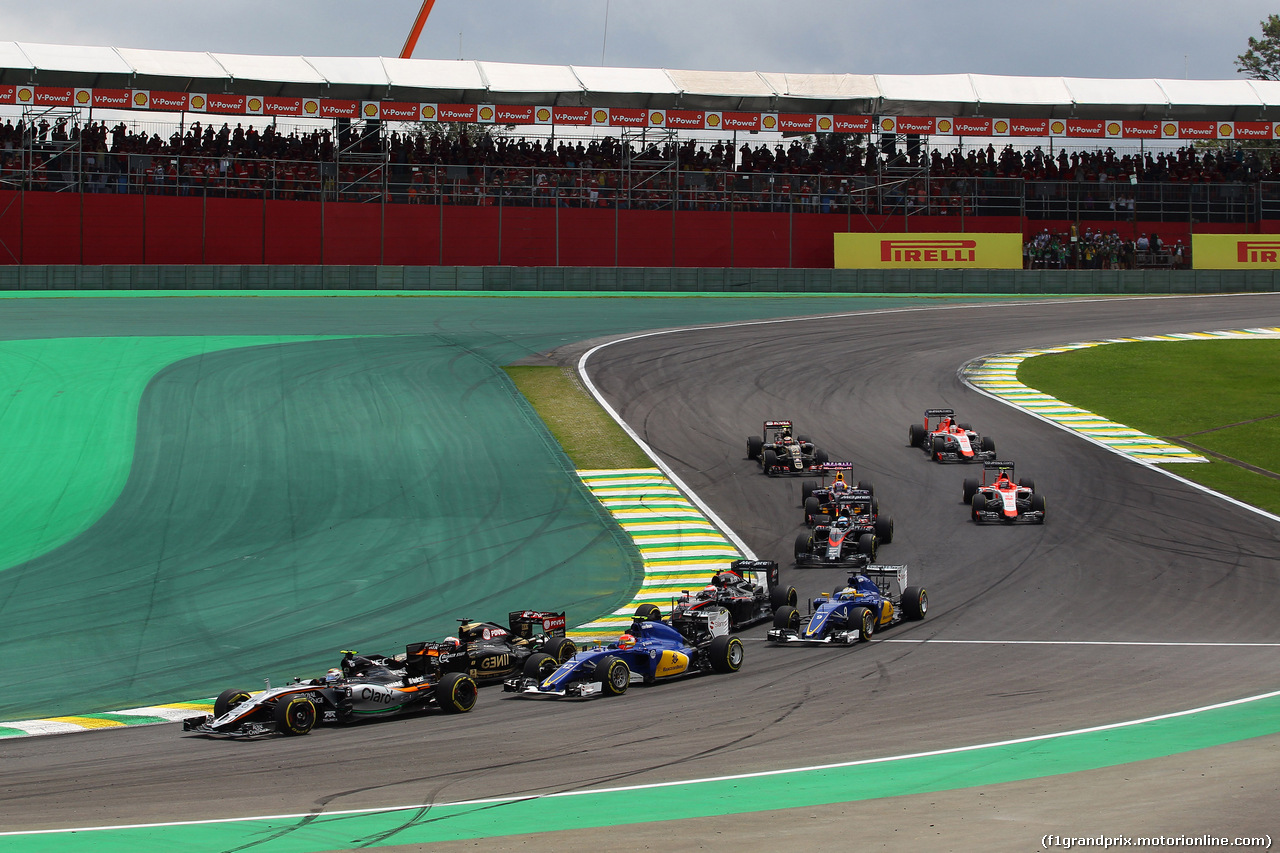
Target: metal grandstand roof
468	81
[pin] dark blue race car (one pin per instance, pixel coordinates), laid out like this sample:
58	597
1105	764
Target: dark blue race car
874	599
649	651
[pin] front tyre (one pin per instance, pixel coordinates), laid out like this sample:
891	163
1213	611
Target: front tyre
867	546
227	700
787	618
726	654
811	508
615	675
456	693
769	461
295	715
915	435
560	648
754	445
970	489
866	622
884	530
804	541
979	505
539	665
1037	505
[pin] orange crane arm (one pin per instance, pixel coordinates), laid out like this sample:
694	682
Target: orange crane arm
412	41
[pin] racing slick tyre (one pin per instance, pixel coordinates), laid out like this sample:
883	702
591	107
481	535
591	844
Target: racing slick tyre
820	457
648	613
787	618
1037	505
915	435
966	427
865	620
884	530
615	675
915	602
988	444
227	700
295	715
769	461
539	665
939	447
560	648
456	693
1027	483
979	504
811	510
804	439
866	487
780	597
807	488
970	489
867	545
804	541
725	653
754	445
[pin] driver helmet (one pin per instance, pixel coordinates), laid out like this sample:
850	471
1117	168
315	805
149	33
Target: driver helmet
451	642
626	641
333	676
842	521
839	486
710	588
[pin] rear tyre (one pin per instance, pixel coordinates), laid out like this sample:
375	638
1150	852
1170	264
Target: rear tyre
615	675
648	613
539	665
295	715
884	530
1027	483
768	461
804	541
966	427
915	602
866	622
915	435
866	487
754	445
456	693
867	545
560	648
787	618
820	457
988	444
780	597
227	700
970	489
726	654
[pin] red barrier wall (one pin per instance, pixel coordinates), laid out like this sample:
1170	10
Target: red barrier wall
65	228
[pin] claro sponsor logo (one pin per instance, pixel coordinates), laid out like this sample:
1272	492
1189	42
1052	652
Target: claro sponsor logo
1258	251
933	251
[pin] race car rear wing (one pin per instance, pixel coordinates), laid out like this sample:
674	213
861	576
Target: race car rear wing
769	568
938	413
768	424
420	659
892	580
527	624
837	466
999	465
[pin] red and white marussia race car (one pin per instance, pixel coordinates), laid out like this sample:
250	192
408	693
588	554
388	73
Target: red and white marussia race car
1002	499
948	441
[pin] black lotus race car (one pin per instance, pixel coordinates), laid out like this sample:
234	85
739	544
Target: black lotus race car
361	688
875	599
489	652
948	441
780	452
734	590
1002	499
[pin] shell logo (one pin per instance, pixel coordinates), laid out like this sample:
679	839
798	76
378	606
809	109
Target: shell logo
1002	126
655	118
24	95
197	102
544	114
82	96
600	116
255	105
713	120
1170	129
1224	130
1113	128
371	110
944	126
428	112
310	107
139	99
486	113
1275	130
769	122
886	124
824	123
1057	127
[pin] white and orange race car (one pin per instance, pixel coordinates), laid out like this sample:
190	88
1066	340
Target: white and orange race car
1003	499
945	440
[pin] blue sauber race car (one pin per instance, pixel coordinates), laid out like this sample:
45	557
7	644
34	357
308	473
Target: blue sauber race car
648	652
874	599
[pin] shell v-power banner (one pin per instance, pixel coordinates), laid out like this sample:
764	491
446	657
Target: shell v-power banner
928	251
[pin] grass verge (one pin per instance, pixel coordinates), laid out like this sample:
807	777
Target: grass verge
1216	396
590	438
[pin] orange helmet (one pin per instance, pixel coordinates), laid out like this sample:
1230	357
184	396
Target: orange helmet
626	641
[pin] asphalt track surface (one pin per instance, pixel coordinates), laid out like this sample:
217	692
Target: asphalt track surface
1128	556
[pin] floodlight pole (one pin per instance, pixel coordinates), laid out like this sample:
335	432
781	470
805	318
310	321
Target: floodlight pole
412	41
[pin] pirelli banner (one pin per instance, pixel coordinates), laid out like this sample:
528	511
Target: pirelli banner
928	251
1235	251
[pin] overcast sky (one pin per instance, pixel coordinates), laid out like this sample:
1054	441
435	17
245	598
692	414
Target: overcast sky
1076	38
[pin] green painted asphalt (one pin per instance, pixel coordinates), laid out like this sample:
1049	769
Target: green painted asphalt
979	766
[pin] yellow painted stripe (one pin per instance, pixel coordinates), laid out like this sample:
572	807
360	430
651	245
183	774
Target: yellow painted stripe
88	722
